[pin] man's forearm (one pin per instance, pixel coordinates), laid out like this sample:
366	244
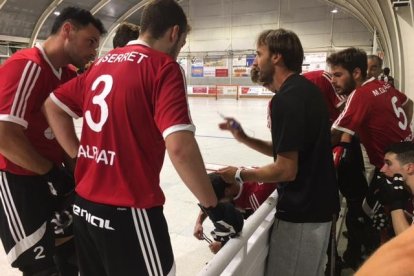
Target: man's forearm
15	146
186	158
399	222
264	147
284	169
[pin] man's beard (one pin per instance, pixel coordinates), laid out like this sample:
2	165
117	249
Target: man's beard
174	51
349	87
266	74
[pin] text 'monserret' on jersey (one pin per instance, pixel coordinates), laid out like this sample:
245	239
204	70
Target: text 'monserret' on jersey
131	100
374	111
26	80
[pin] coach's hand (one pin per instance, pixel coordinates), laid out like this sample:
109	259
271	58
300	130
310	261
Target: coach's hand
234	127
228	221
340	153
60	180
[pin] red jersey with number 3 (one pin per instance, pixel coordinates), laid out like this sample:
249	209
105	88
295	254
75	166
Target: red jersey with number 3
26	80
374	112
131	99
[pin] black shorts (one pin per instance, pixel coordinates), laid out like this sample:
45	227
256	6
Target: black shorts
116	241
25	212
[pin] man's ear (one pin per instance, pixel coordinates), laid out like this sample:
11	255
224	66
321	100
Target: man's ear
356	74
410	168
276	58
65	29
175	33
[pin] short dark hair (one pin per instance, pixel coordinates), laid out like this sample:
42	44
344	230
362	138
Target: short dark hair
377	58
350	59
386	71
286	43
159	15
78	17
124	34
403	150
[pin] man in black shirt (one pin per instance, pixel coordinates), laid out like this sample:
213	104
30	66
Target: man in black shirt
301	148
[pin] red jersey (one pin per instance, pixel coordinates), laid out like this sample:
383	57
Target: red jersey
322	80
374	111
131	99
253	194
26	80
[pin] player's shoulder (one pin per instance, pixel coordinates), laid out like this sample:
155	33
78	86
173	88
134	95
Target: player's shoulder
313	74
26	55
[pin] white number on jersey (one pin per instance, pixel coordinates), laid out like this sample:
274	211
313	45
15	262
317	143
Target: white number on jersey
100	101
403	122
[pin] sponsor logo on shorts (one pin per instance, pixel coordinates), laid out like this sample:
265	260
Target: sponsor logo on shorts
92	219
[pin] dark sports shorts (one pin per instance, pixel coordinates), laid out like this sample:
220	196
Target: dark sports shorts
113	240
26	209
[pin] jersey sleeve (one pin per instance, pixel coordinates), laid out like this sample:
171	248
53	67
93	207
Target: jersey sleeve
171	108
352	117
69	96
403	99
17	88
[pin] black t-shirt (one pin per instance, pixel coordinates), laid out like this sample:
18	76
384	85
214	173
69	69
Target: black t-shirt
300	122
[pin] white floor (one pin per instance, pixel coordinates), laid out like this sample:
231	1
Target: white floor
217	147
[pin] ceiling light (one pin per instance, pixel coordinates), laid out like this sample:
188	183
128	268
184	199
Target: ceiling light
334	10
57	13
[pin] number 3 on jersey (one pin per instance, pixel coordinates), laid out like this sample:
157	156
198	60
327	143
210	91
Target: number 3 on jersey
403	122
100	101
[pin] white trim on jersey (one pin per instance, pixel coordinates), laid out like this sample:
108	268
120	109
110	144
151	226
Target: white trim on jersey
14	119
336	123
27	81
63	106
254	202
146	241
369	80
58	73
344	130
138	42
176	128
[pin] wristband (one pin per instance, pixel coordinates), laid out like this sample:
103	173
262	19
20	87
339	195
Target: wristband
237	176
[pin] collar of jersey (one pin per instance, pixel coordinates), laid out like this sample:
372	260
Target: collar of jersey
369	80
58	73
138	42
